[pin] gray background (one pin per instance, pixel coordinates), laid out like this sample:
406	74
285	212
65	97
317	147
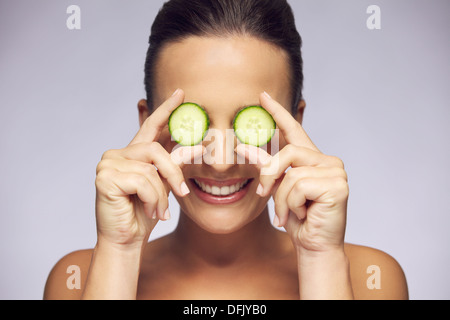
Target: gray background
377	99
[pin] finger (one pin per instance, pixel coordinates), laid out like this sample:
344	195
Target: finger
272	167
327	192
153	125
289	127
297	198
293	225
279	210
282	205
150	172
281	194
171	169
291	157
187	155
154	153
254	154
162	209
129	184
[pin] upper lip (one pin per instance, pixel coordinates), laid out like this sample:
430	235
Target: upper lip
221	183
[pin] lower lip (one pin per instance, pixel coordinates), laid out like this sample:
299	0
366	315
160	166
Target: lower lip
212	199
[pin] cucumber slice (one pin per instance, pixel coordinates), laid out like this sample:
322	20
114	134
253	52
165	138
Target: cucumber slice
188	124
254	125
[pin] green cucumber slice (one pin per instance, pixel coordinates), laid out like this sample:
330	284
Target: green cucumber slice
188	124
254	125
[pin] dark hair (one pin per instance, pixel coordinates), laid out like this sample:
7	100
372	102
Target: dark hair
269	20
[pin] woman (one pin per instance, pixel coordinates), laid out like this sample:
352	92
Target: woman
224	55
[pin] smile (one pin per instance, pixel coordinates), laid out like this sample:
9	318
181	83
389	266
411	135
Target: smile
218	190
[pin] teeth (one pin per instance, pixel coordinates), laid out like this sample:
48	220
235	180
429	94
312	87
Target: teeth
215	190
222	191
225	191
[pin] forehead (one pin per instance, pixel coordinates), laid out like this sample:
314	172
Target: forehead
231	71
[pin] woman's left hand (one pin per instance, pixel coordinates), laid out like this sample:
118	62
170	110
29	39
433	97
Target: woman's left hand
311	197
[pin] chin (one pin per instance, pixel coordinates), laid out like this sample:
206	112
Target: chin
221	222
222	219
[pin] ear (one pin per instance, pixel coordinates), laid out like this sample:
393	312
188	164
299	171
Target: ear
144	113
300	109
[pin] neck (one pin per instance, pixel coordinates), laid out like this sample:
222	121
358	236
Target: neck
202	247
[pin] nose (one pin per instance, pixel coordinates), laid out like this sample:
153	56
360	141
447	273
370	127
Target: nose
220	145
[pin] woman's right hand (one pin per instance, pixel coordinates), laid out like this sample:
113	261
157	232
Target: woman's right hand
133	183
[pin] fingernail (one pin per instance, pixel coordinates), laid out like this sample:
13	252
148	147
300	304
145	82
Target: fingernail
276	221
267	95
167	214
260	189
184	189
175	93
154	215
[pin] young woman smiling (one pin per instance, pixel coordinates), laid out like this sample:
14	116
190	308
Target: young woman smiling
224	55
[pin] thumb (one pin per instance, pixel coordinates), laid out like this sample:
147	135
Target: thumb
182	156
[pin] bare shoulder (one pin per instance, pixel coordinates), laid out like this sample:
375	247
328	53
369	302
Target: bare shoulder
68	276
375	274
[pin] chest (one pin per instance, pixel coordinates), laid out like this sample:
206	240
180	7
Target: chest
258	283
